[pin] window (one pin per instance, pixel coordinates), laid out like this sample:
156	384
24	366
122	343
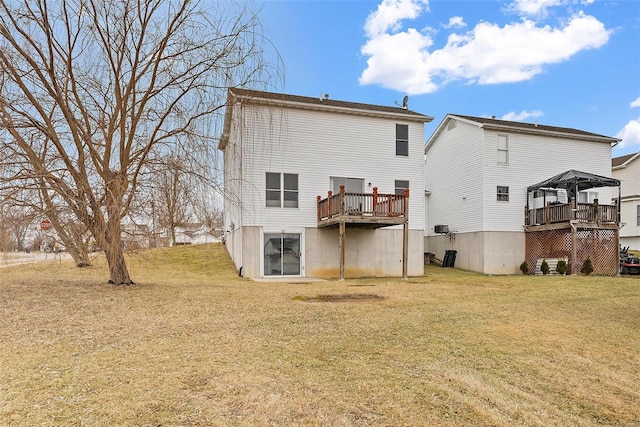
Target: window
503	150
400	186
402	140
282	190
282	254
503	193
638	215
587	196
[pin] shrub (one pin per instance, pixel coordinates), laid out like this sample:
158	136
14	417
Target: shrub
587	267
544	267
524	267
562	267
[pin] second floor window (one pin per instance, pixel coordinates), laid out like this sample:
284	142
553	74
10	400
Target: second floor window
502	193
282	190
402	140
503	150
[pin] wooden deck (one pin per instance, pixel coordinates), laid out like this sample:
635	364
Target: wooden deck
362	210
563	215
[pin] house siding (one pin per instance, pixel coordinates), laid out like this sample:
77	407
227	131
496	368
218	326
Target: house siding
534	158
629	187
317	145
453	176
462	174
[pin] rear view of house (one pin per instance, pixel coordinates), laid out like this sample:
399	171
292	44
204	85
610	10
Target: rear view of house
316	187
627	170
478	172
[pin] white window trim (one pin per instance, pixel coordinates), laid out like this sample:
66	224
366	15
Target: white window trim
282	190
502	150
508	194
270	230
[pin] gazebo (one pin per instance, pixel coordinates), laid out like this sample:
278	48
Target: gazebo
574	230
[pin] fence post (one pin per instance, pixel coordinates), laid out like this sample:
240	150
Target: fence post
318	206
329	211
342	200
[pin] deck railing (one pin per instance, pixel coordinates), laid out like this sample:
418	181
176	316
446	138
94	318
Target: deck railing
565	212
374	205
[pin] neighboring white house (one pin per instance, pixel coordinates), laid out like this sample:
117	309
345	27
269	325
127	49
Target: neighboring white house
627	169
194	234
283	153
477	171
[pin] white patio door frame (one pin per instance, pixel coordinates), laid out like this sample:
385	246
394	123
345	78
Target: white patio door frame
297	231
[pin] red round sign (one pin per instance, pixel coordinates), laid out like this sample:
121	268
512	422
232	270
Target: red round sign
45	225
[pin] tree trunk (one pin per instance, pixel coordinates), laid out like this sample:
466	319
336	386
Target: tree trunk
80	256
118	271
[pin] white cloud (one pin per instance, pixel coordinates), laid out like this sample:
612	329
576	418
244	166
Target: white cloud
522	115
389	14
487	54
635	103
630	134
533	7
456	22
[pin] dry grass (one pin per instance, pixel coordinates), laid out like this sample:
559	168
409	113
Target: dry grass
193	344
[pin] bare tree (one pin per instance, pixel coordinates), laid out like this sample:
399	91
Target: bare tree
90	89
173	194
15	222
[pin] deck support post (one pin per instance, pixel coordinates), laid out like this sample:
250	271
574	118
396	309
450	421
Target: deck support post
405	235
574	248
342	233
405	249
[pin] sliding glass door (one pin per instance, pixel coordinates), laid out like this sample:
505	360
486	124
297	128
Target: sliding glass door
282	254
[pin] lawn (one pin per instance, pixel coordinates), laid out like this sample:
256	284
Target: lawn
194	344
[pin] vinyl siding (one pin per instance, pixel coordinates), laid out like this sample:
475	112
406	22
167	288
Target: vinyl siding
533	159
462	173
630	186
453	175
316	146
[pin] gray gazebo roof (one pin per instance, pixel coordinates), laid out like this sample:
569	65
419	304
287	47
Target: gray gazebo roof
573	180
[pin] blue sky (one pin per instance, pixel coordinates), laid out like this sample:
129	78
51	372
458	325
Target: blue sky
572	63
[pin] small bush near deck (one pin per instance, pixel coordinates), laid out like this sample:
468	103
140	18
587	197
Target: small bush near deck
544	267
562	267
524	267
587	267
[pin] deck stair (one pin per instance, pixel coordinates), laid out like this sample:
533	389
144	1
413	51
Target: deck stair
552	262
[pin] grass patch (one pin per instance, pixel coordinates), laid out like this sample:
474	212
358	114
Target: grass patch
194	344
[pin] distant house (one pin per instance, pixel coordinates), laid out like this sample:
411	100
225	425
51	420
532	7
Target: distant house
194	234
627	170
316	187
482	198
135	236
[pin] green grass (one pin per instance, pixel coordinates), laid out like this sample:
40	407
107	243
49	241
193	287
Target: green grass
194	344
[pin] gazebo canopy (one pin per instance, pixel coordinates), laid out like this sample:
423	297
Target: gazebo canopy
574	181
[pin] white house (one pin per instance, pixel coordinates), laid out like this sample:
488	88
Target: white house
627	170
194	234
477	171
284	153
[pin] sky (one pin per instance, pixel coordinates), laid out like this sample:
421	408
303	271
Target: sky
568	63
